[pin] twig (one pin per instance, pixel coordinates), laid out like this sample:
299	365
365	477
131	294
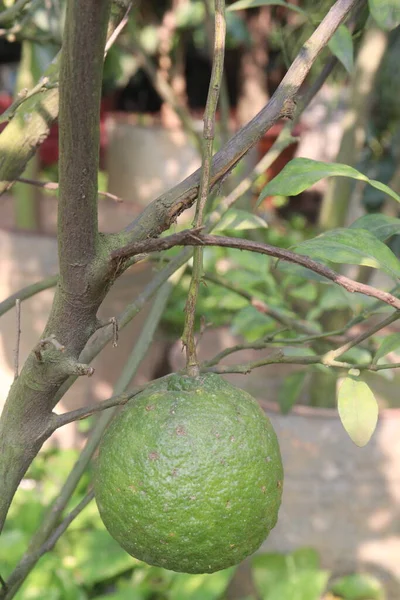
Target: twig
118	29
188	337
27	292
29	560
51	340
192	237
258	345
11	13
42	86
18	337
3	584
223	101
280	358
53	187
333	354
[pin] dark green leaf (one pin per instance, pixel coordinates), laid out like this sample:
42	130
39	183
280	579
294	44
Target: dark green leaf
354	247
341	45
358	410
242	4
381	226
301	173
389	344
290	390
385	12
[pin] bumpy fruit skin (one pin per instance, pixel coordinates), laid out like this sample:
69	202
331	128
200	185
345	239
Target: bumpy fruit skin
189	475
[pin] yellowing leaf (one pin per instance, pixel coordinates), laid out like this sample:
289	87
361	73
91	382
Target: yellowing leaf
358	410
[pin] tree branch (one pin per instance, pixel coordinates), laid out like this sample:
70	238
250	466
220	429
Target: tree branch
27	292
81	287
193	237
163	211
50	520
32	120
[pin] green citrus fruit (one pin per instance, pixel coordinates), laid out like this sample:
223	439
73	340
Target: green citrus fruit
189	475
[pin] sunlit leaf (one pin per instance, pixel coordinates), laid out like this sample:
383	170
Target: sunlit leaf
353	247
358	410
341	45
301	173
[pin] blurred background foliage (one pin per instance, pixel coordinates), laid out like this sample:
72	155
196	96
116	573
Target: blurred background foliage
88	564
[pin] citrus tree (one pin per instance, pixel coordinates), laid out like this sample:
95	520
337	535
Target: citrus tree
90	262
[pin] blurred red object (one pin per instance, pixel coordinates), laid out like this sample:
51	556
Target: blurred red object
48	151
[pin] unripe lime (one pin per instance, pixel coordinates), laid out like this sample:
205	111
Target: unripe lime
189	475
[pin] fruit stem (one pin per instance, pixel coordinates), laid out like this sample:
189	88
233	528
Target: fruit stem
188	338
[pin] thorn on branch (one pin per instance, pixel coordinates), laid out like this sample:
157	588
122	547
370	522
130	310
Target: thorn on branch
49	341
3	584
114	323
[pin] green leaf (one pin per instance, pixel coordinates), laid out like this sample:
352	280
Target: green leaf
252	324
239	220
98	557
306	558
341	45
385	12
353	247
381	226
268	570
358	587
305	585
285	577
201	587
301	173
358	410
242	4
290	390
389	344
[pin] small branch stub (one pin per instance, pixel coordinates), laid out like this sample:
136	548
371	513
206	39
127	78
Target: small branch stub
49	341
